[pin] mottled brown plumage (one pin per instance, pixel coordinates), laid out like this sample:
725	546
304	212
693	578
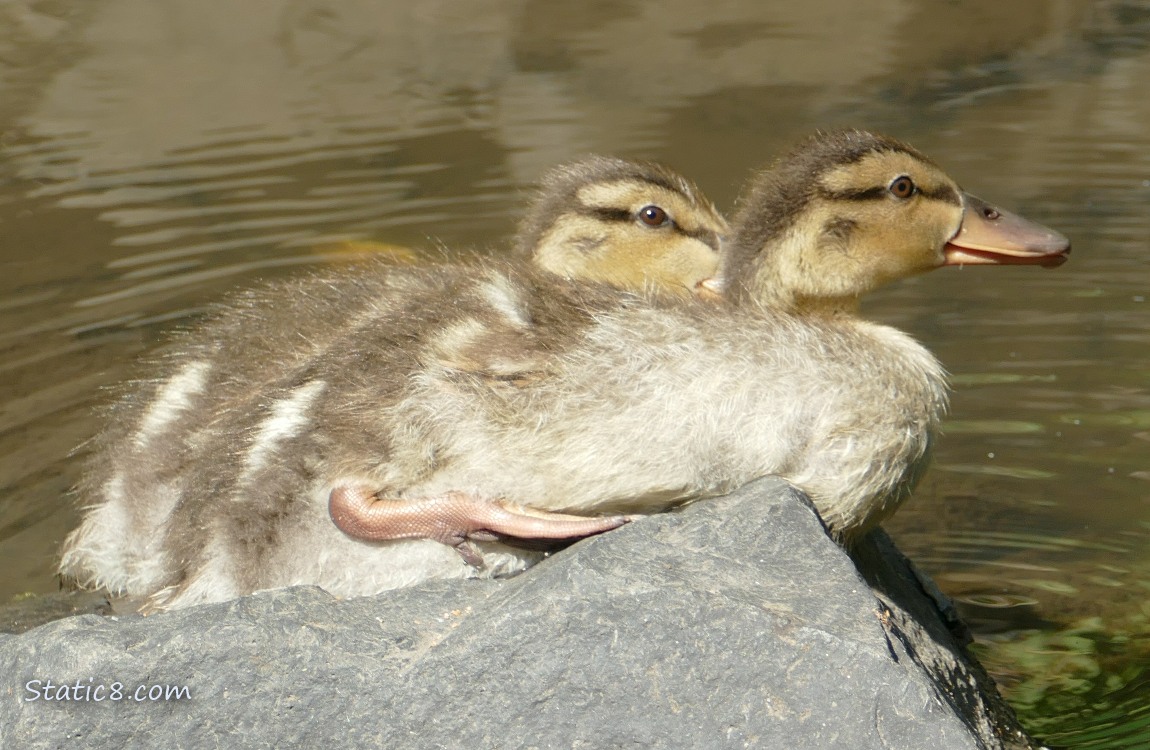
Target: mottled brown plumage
213	452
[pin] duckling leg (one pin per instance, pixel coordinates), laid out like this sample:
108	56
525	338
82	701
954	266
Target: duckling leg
452	519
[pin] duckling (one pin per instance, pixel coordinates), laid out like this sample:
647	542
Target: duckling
593	195
203	428
844	408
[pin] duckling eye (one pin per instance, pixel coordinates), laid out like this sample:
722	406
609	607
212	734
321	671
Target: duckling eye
653	216
902	187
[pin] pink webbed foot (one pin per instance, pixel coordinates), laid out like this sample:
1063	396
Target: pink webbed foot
452	519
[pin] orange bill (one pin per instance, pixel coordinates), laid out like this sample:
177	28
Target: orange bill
989	235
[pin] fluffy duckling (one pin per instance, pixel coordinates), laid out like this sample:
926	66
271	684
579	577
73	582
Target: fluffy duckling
203	443
692	404
602	201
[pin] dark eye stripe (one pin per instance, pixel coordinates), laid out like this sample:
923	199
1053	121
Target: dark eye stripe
865	194
608	214
618	214
944	194
707	236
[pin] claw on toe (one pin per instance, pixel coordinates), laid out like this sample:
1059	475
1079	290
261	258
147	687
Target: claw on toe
469	554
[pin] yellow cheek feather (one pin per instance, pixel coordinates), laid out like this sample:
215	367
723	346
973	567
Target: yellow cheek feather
893	237
599	243
670	262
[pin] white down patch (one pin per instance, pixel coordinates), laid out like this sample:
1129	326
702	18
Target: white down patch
173	398
288	417
503	298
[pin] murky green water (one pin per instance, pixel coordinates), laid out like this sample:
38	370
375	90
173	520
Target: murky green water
154	153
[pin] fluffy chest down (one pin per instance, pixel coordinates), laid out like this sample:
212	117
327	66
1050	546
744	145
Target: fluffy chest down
654	407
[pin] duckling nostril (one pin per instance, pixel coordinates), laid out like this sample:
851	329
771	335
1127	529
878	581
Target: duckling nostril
991	213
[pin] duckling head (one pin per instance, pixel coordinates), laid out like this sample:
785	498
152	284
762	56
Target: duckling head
634	225
848	212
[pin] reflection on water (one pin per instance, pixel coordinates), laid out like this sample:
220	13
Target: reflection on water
154	154
1077	684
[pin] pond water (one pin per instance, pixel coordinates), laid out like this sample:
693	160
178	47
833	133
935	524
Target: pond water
156	153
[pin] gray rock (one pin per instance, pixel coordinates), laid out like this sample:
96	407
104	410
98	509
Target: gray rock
733	623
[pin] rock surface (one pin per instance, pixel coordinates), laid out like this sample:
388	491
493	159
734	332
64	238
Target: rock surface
733	623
